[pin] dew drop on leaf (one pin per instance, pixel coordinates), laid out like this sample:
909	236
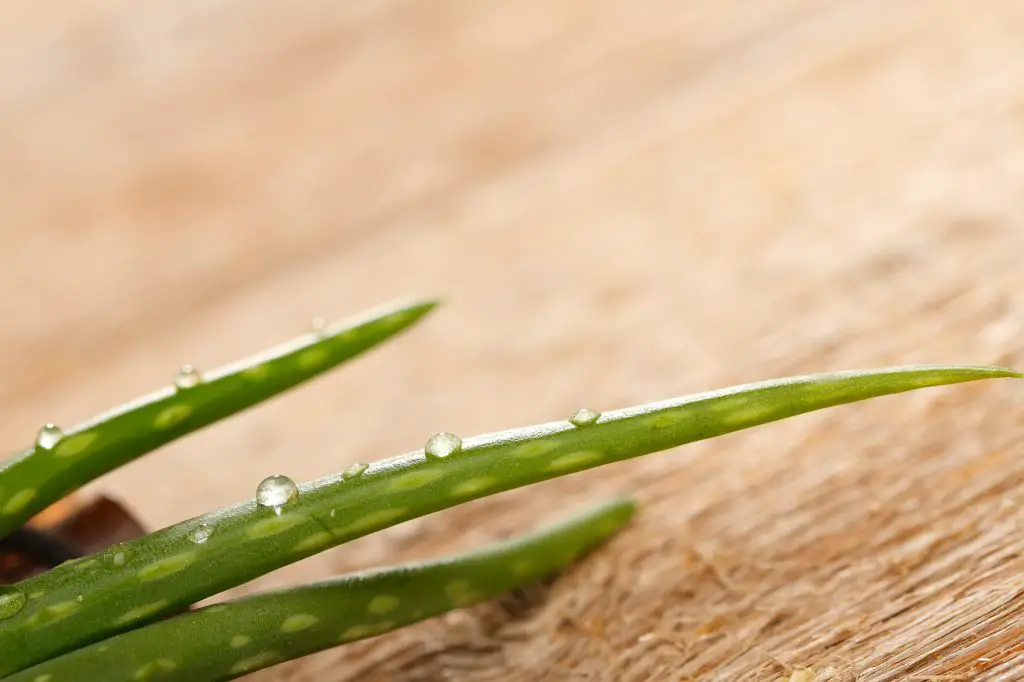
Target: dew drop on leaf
187	377
442	445
354	471
318	326
12	601
48	437
276	491
585	417
201	533
118	555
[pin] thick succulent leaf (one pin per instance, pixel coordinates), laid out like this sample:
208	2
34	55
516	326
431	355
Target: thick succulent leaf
145	579
235	638
59	464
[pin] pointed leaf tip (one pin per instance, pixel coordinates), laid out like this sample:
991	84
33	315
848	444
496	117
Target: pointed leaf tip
232	638
78	455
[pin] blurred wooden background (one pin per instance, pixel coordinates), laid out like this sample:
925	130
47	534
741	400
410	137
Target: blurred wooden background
621	201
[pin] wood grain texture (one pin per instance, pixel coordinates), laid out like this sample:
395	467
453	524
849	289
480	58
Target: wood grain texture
622	201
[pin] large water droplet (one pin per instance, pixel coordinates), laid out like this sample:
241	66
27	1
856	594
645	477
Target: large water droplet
276	491
354	471
118	555
187	377
201	533
585	417
48	437
442	445
12	601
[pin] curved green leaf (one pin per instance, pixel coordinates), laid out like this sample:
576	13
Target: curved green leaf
167	570
43	474
228	640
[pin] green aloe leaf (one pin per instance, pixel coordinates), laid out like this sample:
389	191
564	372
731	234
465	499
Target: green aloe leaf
136	583
61	462
235	638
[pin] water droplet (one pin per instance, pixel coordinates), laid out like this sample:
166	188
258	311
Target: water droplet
187	377
354	471
319	326
12	601
201	533
585	417
118	555
276	491
48	437
441	445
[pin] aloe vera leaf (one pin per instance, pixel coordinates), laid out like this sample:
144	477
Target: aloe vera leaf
238	637
167	570
39	476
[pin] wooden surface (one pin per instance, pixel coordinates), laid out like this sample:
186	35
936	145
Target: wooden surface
621	201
